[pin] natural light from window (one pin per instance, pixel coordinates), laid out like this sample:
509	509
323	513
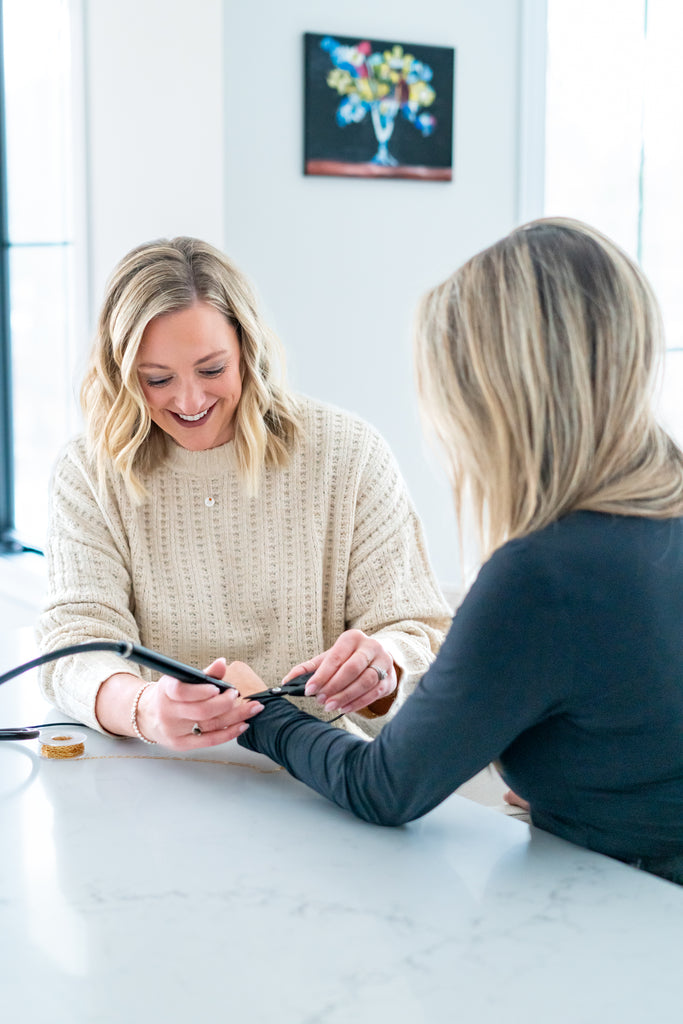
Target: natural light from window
614	152
39	141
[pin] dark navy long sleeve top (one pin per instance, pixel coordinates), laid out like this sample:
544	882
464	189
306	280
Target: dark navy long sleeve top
565	664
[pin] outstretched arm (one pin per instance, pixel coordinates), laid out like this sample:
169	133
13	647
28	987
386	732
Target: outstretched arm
505	666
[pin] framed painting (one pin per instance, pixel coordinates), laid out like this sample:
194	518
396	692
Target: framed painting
378	108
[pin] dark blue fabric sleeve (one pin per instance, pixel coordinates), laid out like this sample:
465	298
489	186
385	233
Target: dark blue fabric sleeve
504	667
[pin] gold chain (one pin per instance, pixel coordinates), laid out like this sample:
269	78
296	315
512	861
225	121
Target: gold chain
196	760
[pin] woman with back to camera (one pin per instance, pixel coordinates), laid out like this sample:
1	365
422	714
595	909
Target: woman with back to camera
535	367
209	511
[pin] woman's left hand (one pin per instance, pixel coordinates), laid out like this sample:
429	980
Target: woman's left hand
352	674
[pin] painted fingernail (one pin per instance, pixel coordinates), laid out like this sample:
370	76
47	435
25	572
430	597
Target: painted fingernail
242	728
331	706
255	708
311	689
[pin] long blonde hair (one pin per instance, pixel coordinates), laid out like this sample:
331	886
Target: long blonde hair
162	277
536	363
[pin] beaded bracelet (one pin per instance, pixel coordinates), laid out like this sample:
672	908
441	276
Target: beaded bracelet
134	715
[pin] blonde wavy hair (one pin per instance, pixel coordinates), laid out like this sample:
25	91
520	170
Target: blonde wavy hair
536	364
167	276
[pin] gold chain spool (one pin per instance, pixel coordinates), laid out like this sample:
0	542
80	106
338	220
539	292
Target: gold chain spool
62	745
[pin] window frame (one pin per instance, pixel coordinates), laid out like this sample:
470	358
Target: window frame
7	524
14	532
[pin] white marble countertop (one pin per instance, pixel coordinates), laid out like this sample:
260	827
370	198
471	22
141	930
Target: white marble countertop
139	886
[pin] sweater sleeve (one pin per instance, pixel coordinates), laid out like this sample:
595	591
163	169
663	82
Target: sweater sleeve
89	595
500	672
392	592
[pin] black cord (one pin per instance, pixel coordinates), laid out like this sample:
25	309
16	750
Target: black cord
131	651
141	656
63	652
126	649
31	732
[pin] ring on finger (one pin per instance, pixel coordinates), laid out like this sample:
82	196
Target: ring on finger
381	673
196	729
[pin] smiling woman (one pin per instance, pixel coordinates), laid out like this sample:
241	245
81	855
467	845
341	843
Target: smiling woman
189	369
210	512
150	301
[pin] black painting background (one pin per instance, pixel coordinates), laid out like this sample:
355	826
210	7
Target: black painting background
356	143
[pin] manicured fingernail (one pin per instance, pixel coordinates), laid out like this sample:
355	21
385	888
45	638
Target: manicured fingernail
242	728
311	689
321	698
331	706
255	708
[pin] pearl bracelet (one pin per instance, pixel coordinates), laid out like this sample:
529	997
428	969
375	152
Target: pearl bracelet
134	715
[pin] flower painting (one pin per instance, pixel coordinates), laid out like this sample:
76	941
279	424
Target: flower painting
378	109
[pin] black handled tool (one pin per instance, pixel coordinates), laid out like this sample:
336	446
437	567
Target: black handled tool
294	688
151	659
133	652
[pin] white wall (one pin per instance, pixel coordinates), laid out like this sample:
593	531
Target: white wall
194	125
153	73
340	263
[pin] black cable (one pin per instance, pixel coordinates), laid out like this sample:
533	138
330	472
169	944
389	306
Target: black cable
141	656
60	652
133	652
126	649
31	732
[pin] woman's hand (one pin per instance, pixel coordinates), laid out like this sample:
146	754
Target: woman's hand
355	672
244	678
171	712
516	801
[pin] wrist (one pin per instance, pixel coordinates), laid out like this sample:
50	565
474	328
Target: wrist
138	719
379	707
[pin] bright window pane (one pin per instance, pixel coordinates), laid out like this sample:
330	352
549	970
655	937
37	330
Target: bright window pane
671	407
662	249
614	146
37	61
43	375
594	114
39	148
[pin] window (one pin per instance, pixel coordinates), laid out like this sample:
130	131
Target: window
614	150
39	258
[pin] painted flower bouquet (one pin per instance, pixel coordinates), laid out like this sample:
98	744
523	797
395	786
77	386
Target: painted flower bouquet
383	84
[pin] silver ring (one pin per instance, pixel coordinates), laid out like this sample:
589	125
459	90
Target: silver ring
196	731
381	673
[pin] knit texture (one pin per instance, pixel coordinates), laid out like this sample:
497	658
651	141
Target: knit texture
330	542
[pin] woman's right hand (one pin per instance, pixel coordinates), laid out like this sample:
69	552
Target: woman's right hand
169	711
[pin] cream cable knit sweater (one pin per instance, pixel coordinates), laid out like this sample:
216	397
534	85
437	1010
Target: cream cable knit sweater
331	542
